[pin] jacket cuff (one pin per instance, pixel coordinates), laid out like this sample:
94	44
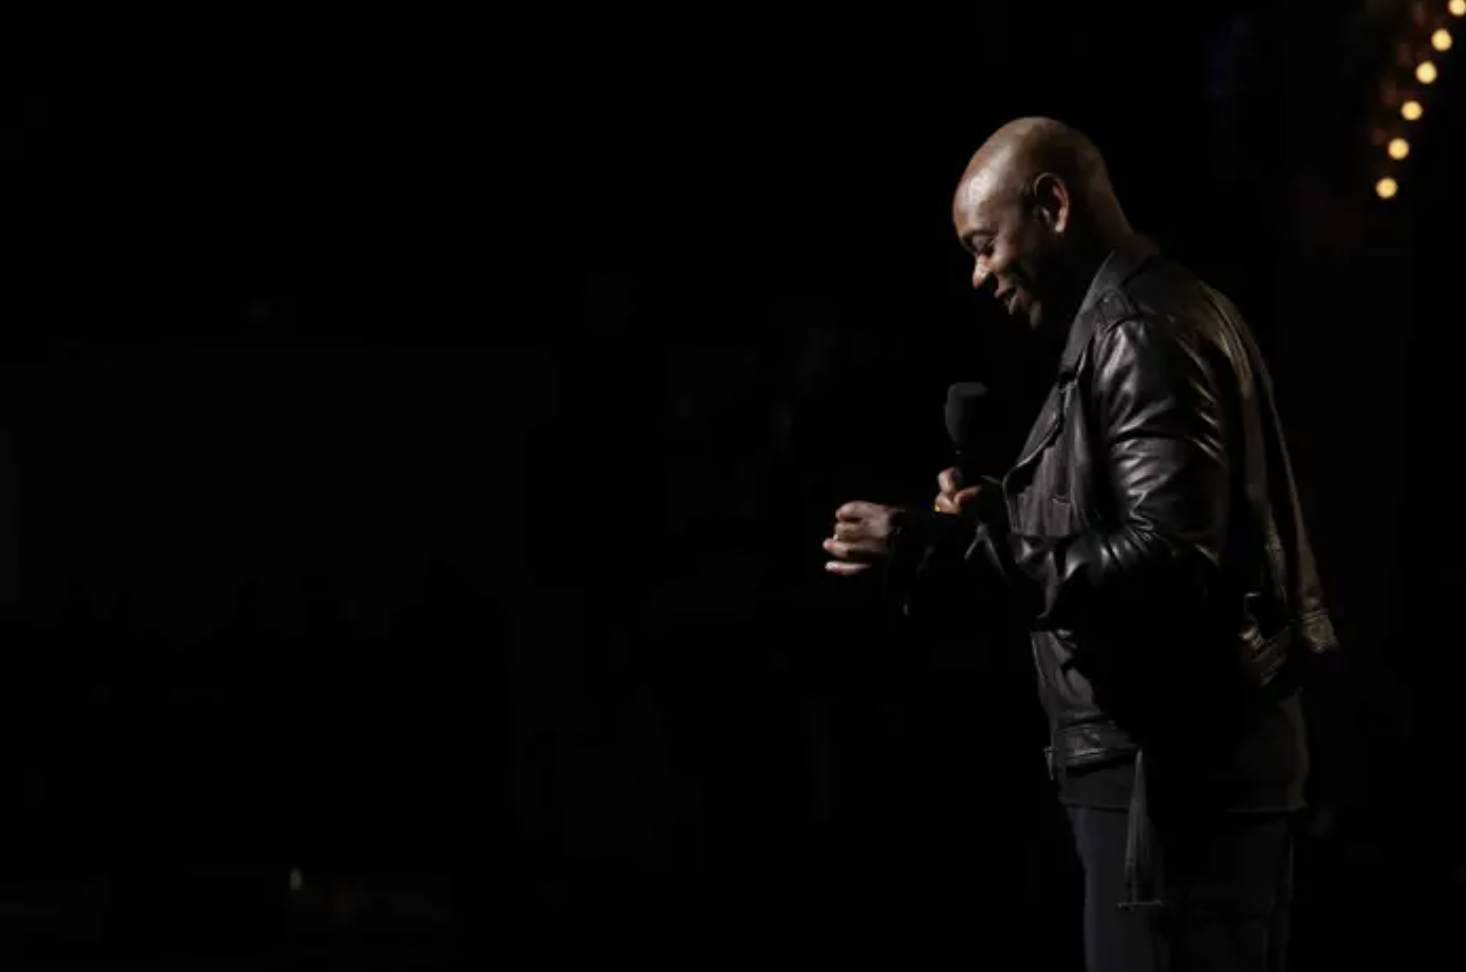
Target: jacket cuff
915	537
994	549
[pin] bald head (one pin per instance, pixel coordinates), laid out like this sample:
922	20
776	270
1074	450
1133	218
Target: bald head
1022	151
1036	209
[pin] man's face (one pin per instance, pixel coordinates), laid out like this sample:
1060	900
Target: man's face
1010	243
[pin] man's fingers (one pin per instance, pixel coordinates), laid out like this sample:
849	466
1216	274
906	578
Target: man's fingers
857	510
953	503
843	569
850	550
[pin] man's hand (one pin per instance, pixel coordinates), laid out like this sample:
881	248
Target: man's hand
862	537
950	499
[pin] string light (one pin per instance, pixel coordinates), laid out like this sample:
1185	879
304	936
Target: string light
1426	73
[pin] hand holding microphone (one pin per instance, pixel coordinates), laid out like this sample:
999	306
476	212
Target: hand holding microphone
952	497
959	484
864	533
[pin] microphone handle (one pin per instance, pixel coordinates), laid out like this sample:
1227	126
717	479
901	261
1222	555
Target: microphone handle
968	473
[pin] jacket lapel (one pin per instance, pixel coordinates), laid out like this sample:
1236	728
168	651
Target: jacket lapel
1118	268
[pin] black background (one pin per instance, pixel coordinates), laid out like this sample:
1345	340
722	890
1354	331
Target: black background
419	434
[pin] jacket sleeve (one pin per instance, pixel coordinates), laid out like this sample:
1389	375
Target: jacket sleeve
926	547
1159	440
942	563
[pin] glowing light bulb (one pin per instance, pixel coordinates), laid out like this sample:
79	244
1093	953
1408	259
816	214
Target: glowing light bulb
1411	110
1441	40
1386	188
1426	72
1458	7
1399	148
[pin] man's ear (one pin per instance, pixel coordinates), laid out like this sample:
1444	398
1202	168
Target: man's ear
1051	201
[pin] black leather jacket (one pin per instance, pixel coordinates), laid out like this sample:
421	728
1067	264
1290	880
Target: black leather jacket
1149	536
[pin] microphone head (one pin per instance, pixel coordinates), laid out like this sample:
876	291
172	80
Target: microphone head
965	401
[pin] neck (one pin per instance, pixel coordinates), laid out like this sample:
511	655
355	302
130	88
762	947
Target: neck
1091	249
1094	244
1088	252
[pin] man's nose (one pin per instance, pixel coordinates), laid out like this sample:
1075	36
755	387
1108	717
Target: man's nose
980	275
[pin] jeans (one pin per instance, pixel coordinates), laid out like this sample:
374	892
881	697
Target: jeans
1225	883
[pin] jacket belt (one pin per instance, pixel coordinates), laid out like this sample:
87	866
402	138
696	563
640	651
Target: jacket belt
1140	868
1088	744
1099	742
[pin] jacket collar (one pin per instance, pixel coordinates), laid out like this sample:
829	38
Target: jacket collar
1117	269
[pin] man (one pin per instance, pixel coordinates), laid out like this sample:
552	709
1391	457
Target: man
1150	539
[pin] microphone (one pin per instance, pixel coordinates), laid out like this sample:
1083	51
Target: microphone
968	406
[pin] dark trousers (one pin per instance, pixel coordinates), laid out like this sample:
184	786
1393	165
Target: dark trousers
1226	887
